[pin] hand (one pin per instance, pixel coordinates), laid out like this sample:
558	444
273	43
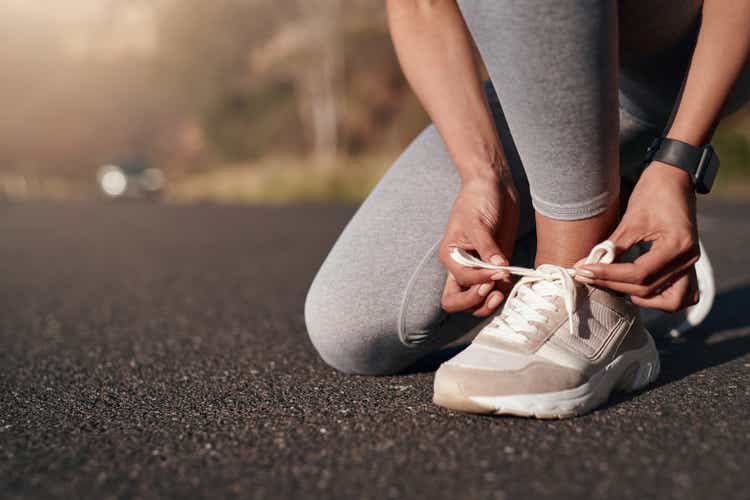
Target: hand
661	210
484	219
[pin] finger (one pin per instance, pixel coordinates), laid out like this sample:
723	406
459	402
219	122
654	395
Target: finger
617	286
467	276
487	247
456	299
451	285
679	295
489	251
694	292
661	261
623	238
504	285
636	273
490	305
464	276
636	290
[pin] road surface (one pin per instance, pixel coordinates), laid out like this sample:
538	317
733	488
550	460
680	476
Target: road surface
160	351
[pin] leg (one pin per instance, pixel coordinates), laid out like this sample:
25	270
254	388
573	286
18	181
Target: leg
554	66
361	311
552	349
374	306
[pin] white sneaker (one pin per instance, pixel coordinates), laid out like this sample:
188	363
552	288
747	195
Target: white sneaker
677	324
557	349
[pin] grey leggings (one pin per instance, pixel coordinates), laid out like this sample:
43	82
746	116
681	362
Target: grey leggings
374	306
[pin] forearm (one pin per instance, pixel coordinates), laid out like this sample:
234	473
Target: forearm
436	54
720	54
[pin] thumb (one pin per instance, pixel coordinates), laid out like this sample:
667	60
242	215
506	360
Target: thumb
488	249
624	236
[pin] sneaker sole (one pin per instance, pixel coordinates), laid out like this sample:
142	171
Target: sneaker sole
628	372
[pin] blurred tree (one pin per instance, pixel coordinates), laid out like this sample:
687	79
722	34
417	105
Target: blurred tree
191	83
301	77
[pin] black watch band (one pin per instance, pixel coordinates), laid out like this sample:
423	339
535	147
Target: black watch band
701	163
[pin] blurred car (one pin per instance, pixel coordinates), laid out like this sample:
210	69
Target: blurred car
130	181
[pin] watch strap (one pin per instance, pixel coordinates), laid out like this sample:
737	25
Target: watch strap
701	163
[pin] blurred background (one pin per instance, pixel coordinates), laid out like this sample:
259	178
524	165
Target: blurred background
232	101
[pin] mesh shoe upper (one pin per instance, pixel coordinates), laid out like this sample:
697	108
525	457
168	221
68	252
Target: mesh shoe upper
551	335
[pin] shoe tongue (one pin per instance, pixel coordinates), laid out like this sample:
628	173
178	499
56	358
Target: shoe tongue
547	288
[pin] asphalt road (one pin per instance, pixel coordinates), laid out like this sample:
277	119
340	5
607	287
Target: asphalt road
150	351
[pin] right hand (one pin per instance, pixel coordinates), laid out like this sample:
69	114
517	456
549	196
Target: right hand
483	220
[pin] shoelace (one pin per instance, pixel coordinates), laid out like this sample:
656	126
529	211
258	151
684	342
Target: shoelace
527	301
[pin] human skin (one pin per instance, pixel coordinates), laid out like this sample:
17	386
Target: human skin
436	54
661	209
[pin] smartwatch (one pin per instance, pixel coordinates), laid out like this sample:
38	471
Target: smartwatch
701	163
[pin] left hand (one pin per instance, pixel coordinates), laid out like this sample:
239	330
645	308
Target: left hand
661	210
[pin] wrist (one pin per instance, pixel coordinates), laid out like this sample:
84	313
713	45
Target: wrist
480	177
489	172
664	172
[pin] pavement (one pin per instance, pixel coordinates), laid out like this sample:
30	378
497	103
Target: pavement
151	351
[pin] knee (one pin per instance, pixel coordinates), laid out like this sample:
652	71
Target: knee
352	337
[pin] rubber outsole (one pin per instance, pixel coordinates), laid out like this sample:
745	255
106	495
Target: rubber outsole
629	372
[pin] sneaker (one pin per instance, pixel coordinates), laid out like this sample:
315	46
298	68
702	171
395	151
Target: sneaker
679	323
557	349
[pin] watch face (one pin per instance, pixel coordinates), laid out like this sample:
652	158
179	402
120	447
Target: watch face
706	172
708	179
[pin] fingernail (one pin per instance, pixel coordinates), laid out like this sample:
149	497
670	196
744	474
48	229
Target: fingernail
580	272
584	279
497	260
499	276
484	289
494	301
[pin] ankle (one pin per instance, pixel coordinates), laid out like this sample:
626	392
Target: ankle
567	260
563	242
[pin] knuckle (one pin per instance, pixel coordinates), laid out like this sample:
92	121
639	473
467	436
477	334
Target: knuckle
447	305
459	274
686	245
639	276
463	279
480	313
649	290
477	277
